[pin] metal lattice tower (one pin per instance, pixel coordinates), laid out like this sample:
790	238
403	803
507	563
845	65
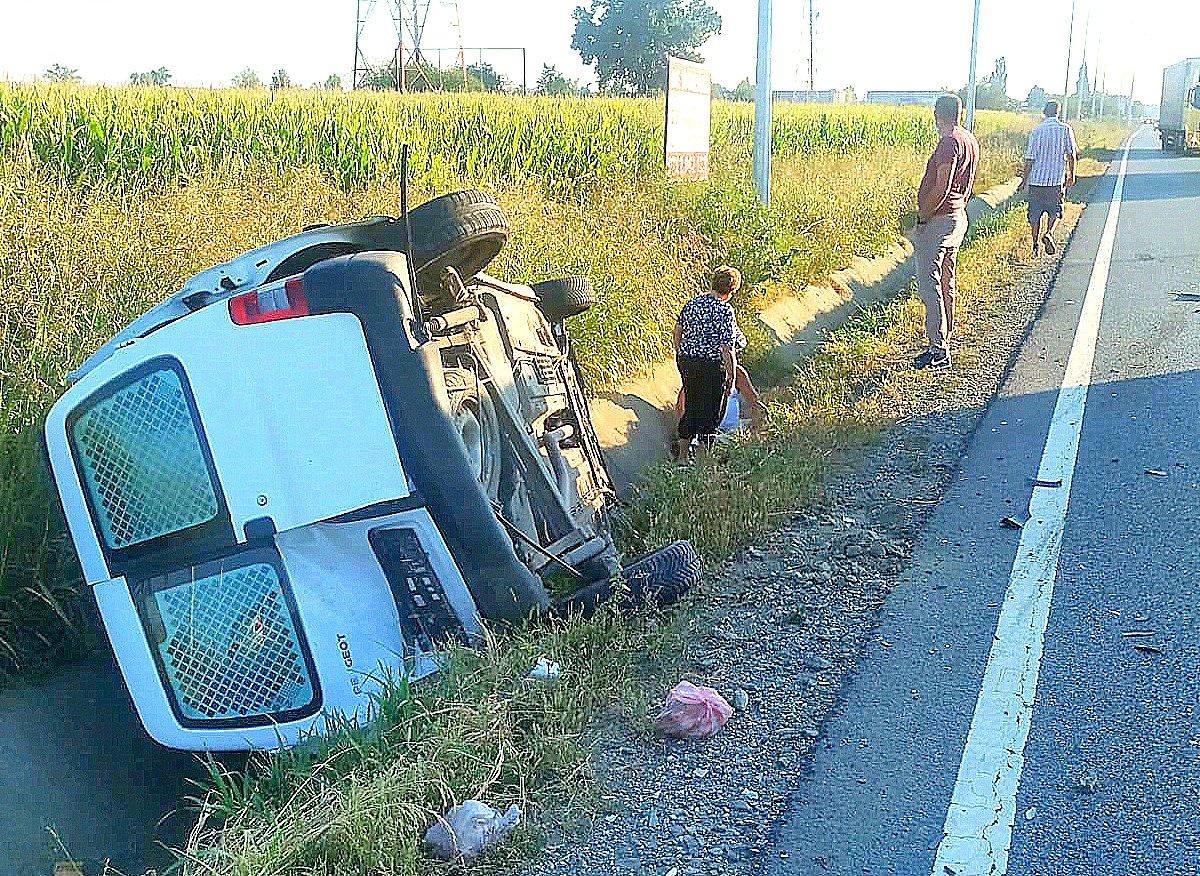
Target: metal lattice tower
456	23
409	20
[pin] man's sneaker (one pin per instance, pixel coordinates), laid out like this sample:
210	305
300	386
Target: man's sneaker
937	360
1048	243
1036	252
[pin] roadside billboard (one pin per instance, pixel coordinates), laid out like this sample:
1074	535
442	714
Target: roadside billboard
689	111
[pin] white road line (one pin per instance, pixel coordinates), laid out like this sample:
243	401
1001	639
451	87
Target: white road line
979	823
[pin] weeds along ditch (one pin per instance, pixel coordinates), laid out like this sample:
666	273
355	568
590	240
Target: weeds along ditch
111	197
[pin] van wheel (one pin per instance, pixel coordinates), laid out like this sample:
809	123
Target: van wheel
663	576
475	419
566	297
462	230
657	579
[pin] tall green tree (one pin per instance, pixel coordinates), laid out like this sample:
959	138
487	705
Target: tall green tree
487	76
628	40
247	79
552	81
280	79
743	91
161	76
991	92
59	73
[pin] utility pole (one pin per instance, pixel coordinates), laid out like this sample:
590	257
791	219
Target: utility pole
762	106
1087	26
971	74
811	54
1132	82
1066	109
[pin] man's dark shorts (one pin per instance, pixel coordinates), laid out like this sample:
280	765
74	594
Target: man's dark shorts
1045	201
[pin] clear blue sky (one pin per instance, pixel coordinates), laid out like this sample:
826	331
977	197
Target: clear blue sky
870	44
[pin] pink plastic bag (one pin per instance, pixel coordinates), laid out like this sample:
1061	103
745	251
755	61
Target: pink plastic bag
693	712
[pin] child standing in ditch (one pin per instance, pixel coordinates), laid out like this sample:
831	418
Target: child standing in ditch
707	341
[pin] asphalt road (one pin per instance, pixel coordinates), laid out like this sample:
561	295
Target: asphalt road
1109	774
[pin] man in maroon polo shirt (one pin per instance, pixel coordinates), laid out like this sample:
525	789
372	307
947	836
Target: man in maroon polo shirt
942	225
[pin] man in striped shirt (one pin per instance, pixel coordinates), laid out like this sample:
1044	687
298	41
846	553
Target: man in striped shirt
1049	169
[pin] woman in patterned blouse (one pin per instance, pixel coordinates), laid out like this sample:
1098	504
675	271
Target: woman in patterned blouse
707	341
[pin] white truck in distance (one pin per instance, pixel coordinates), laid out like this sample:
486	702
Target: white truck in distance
1179	109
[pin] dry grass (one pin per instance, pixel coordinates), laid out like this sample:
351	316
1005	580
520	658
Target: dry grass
360	800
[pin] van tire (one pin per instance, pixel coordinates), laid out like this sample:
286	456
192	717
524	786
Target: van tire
663	576
566	297
462	230
658	579
474	415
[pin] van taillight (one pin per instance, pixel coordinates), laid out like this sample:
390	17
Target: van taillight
270	304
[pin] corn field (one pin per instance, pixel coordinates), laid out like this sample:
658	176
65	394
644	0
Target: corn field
155	136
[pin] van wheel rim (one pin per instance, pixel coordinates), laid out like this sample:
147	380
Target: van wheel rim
478	441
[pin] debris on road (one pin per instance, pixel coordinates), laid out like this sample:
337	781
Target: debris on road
1031	813
1088	783
544	669
693	712
1015	522
1148	649
1038	482
469	828
1156	472
1137	634
741	700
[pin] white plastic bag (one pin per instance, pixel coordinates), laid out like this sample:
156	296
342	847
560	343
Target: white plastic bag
469	828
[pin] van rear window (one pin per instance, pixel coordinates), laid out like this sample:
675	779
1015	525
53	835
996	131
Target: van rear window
228	642
138	448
